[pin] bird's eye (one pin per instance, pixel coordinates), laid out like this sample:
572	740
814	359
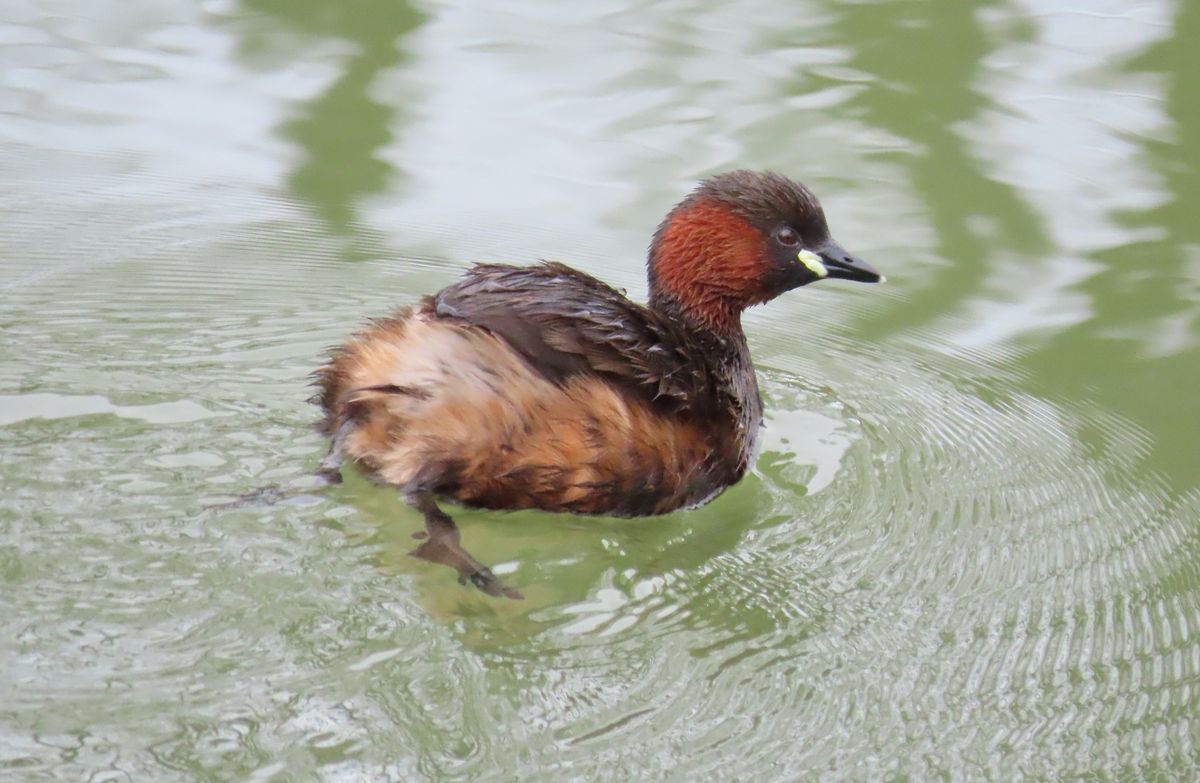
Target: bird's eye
787	235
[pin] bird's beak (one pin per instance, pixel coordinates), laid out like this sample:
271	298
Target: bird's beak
840	263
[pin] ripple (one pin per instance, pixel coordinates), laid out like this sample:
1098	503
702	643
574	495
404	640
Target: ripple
931	572
972	563
927	558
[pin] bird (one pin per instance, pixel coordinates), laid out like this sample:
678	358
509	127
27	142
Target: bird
541	387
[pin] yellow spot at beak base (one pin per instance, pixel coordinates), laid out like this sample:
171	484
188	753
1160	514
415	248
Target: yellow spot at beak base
813	262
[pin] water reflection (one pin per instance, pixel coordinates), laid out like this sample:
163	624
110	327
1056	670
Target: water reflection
343	128
978	573
924	99
1121	357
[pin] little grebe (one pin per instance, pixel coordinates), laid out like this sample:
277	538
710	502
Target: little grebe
542	387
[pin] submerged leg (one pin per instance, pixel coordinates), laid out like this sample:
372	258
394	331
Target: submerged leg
442	546
330	469
329	472
273	493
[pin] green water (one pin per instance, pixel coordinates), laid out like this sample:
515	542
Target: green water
968	550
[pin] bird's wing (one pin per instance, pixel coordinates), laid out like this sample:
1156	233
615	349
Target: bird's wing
565	322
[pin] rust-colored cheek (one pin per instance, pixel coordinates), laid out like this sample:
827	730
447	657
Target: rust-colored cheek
712	261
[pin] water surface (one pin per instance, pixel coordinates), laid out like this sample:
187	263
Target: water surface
968	550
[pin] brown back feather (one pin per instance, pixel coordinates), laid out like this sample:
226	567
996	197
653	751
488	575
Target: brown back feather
565	322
